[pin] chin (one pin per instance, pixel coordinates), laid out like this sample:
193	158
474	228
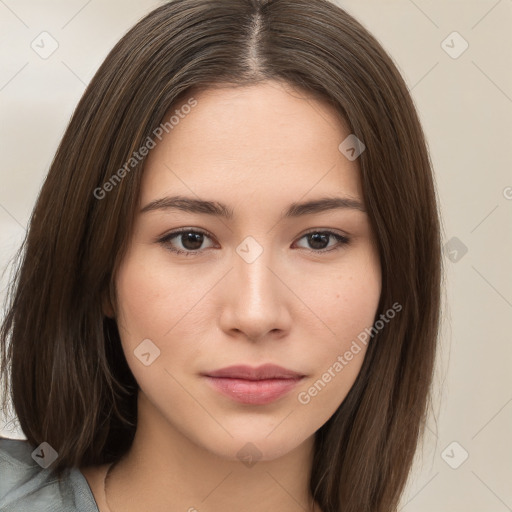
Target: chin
253	445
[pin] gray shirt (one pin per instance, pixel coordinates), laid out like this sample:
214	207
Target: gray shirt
26	487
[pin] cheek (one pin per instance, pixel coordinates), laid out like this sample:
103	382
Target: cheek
168	306
151	297
346	303
139	292
155	308
343	301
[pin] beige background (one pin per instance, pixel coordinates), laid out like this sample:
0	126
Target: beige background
466	107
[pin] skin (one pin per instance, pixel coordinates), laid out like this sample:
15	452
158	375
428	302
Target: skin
257	149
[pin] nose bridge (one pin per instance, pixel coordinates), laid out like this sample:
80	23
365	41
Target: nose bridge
255	282
254	301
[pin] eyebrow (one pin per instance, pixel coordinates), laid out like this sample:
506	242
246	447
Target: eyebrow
191	205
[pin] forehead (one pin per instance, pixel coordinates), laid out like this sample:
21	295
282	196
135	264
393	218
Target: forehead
266	140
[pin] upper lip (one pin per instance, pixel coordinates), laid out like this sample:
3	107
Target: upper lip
266	371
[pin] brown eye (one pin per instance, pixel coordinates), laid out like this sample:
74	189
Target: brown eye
318	241
188	241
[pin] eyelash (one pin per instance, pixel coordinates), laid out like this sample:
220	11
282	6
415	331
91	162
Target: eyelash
165	241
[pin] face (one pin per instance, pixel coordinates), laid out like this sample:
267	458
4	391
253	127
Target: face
252	279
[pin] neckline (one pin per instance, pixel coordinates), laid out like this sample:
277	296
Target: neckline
88	490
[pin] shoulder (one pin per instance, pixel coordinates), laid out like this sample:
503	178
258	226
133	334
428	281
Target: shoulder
26	486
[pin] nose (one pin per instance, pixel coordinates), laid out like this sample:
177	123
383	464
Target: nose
255	300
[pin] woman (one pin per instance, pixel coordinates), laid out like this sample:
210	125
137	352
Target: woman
229	292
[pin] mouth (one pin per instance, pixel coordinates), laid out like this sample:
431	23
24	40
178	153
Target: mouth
254	386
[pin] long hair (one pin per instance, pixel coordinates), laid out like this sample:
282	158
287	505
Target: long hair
70	383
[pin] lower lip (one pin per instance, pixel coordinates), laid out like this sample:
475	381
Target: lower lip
254	392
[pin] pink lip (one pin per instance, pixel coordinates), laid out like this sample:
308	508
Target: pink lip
255	386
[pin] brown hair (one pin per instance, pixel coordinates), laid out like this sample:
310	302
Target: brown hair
70	383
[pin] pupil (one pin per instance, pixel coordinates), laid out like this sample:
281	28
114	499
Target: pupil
194	239
315	237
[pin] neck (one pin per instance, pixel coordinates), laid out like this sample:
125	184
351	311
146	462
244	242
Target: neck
164	470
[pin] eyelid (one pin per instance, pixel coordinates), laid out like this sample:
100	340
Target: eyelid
342	239
164	239
326	230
